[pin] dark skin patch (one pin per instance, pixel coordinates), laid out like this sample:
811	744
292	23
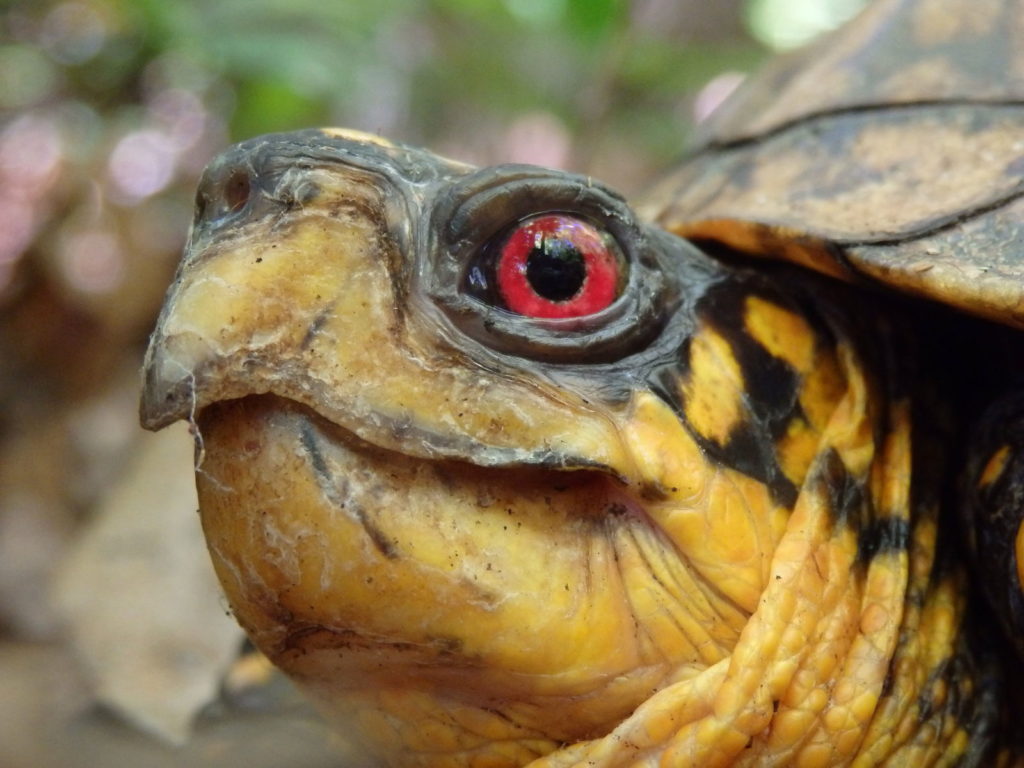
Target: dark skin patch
991	680
325	480
314	328
849	504
383	544
994	510
654	492
323	474
882	536
926	703
749	452
449	646
887	684
319	637
971	687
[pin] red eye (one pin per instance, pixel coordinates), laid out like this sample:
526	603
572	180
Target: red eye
558	266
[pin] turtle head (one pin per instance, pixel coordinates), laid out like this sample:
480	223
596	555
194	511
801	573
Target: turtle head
477	464
412	384
377	285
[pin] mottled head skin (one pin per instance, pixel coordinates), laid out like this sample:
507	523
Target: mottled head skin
688	530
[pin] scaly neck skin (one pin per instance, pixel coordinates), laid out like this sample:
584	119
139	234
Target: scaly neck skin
854	652
517	610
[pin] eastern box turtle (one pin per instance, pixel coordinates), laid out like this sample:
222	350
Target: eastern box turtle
502	472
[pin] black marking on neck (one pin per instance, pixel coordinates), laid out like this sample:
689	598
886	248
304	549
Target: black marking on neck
848	504
882	536
771	397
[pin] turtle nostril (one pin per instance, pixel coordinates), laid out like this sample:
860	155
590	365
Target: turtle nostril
223	192
237	188
200	204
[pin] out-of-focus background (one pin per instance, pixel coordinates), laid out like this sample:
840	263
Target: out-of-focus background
115	648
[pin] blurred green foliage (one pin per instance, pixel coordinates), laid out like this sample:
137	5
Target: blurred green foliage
109	109
421	70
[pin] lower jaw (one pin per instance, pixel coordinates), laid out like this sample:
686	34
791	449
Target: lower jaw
412	728
412	700
397	711
416	706
417	716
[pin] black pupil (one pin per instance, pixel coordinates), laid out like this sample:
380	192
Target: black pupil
556	269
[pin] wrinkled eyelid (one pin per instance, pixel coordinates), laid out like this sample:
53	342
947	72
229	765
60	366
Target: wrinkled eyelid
478	208
484	203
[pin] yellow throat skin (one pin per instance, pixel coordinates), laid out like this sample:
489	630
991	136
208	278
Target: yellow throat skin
471	553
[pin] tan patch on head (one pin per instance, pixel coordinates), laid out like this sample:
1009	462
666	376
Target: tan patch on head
713	391
352	134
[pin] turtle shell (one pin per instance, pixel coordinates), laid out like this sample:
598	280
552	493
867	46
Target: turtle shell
892	150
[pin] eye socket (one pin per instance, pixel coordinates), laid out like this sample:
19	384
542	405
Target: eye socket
546	265
549	266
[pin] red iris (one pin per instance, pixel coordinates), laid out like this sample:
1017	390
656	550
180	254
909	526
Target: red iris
558	266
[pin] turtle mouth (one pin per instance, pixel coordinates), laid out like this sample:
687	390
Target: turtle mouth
316	434
176	389
327	542
380	580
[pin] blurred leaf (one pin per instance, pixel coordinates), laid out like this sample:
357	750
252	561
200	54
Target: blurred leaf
266	106
26	76
658	66
594	19
785	24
